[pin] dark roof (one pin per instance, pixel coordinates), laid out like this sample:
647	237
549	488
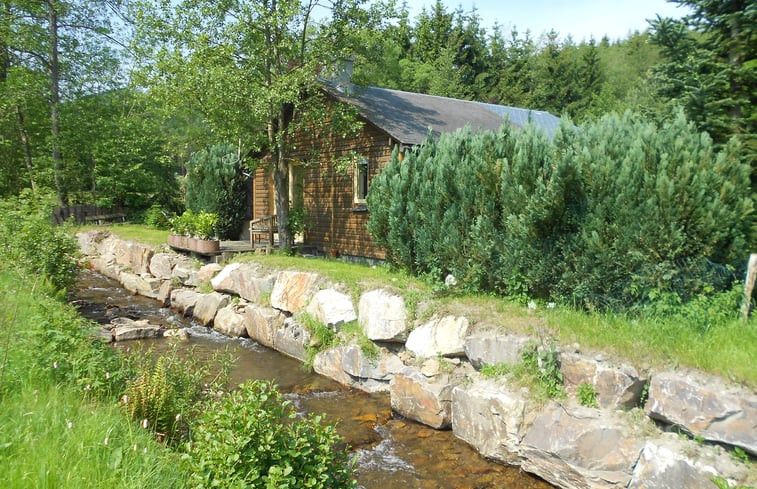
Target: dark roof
407	117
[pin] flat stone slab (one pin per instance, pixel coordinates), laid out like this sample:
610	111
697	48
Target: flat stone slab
229	322
243	279
184	300
208	305
491	348
706	406
417	397
617	386
578	447
491	418
126	329
671	462
445	336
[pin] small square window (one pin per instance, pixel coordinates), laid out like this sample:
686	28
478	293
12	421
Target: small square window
361	180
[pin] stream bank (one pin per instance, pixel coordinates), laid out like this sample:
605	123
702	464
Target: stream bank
430	372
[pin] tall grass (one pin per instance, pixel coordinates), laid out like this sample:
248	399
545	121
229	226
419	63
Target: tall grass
59	423
50	438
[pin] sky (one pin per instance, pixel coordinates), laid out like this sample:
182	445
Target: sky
580	18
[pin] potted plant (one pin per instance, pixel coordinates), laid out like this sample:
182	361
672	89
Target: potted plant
204	233
182	228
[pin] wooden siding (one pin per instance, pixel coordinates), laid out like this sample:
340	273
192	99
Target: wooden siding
262	194
334	222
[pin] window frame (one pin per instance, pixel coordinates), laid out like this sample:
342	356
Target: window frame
360	180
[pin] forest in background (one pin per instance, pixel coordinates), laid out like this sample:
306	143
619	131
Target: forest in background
93	108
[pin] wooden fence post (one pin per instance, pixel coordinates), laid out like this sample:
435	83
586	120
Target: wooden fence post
751	275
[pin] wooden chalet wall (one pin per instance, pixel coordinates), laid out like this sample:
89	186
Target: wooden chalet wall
334	222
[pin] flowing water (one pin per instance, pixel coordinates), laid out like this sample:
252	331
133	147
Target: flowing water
392	452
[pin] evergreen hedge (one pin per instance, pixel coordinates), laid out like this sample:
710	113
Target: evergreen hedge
612	213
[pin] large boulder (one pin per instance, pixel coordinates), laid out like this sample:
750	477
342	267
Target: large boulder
133	255
329	364
332	308
361	366
491	348
445	336
244	280
670	462
207	272
125	329
705	406
415	396
617	386
292	339
579	447
382	316
184	300
106	264
229	322
162	264
147	286
293	290
491	418
89	241
262	322
208	305
164	293
185	271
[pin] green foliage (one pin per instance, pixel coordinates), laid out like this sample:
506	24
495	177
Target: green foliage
353	333
156	217
203	225
215	184
616	213
30	241
321	337
540	362
253	437
722	483
165	393
587	395
496	370
53	438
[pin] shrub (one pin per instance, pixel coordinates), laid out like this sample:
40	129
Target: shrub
28	239
215	184
157	218
253	438
614	214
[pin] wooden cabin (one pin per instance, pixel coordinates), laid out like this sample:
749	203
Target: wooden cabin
330	176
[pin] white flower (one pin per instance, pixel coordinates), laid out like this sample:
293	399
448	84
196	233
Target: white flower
532	305
551	305
178	417
144	423
107	375
55	364
105	442
70	425
450	280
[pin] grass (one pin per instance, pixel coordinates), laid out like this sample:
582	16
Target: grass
726	348
50	438
132	232
53	431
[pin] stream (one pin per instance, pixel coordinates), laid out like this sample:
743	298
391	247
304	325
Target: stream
392	452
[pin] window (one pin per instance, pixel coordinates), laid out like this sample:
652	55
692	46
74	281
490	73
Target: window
361	179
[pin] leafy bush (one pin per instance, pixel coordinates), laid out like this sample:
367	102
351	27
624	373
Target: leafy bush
253	438
202	224
28	239
215	184
164	392
156	217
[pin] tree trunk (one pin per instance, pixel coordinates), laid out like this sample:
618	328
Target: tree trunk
281	188
27	148
52	18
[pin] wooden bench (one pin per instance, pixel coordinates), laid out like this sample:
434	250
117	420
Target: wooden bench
101	218
263	226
